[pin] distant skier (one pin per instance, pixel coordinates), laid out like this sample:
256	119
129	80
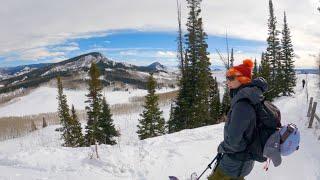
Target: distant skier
303	83
241	119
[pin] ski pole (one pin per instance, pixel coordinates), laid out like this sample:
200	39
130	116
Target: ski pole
209	165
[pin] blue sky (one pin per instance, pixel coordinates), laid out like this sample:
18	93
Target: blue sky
137	47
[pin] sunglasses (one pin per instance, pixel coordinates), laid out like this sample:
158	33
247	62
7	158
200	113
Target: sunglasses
231	78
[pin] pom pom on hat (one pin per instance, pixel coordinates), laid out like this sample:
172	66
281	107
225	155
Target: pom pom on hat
248	63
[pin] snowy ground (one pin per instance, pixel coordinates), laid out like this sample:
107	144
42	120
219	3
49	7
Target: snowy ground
40	156
43	100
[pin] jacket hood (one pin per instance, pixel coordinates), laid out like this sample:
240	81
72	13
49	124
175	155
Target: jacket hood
253	91
261	83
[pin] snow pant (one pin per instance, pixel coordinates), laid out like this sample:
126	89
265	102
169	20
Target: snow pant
219	175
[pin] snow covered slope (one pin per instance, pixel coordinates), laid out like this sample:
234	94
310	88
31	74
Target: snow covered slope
40	156
43	100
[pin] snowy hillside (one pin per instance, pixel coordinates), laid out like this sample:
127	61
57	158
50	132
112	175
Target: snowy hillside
40	156
43	100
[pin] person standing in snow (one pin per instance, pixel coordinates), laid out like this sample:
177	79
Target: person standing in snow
234	161
303	83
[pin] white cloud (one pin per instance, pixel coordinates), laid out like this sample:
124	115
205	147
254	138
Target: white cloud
129	53
166	54
67	48
37	23
38	53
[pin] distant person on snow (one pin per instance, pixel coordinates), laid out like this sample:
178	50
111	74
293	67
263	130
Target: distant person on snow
303	83
239	127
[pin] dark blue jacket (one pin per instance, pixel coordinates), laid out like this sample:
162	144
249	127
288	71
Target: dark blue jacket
239	127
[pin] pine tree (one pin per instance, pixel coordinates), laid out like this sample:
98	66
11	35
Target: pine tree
264	72
171	120
75	130
179	115
273	49
106	128
255	72
180	53
192	106
215	105
232	58
151	124
94	105
280	84
64	116
226	100
288	55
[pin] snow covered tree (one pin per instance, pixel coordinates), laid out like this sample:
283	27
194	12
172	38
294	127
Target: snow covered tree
289	78
106	129
151	124
94	105
75	130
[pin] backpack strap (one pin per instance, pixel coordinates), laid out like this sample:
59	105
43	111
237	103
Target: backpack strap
287	133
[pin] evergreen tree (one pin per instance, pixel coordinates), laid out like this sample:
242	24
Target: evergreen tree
178	116
151	124
64	116
289	78
232	58
192	106
273	49
75	130
226	100
280	84
180	54
106	129
255	72
215	105
170	121
94	105
264	72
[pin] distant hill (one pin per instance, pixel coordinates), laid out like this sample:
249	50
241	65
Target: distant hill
75	70
307	71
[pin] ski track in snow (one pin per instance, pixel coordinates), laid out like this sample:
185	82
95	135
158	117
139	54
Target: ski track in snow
39	155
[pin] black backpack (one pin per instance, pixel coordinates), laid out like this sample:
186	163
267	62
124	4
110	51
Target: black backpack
268	121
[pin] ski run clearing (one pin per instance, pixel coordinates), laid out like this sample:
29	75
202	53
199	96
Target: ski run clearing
39	155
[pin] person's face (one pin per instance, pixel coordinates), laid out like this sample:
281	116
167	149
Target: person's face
232	82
